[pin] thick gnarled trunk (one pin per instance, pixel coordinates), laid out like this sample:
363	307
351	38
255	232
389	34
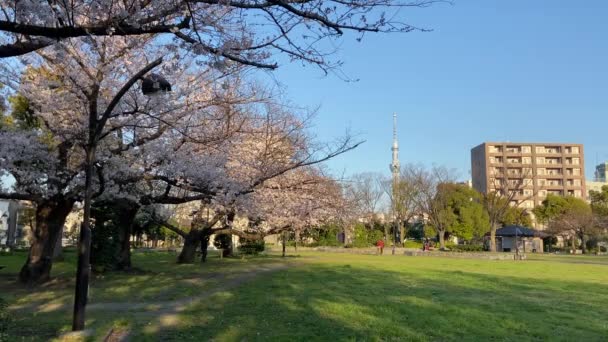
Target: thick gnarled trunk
191	242
206	234
50	218
124	237
111	245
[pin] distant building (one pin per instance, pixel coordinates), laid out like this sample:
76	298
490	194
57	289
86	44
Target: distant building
601	172
467	183
594	186
12	231
601	179
536	169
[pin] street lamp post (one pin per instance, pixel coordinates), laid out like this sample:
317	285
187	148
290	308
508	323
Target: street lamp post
152	85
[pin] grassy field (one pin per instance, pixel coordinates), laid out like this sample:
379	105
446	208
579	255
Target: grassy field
324	296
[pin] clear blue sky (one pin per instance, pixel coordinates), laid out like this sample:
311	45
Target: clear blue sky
491	70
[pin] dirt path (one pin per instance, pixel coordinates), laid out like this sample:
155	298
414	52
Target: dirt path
152	308
180	304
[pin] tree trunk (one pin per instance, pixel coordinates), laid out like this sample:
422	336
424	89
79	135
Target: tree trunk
441	234
583	243
296	239
127	221
191	242
401	234
284	243
394	239
205	243
573	243
58	251
493	238
386	229
50	218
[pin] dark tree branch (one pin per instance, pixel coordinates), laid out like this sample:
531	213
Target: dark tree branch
18	196
106	115
63	32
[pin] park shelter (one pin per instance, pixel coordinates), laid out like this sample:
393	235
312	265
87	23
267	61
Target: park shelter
528	240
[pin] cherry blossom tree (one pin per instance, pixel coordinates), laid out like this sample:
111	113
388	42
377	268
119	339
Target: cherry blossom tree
270	148
92	55
85	94
47	172
244	31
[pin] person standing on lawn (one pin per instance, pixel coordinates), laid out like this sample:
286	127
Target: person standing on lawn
380	245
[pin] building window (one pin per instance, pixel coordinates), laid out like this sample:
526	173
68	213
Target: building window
495	160
575	149
527	160
495	149
514	172
540	160
540	149
526	149
541	171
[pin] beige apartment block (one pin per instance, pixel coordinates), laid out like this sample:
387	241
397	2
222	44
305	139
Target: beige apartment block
534	169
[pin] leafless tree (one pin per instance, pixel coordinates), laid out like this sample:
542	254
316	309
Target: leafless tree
509	188
403	195
430	197
577	220
366	191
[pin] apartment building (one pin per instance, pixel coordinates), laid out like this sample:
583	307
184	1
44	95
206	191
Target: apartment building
534	169
601	172
601	179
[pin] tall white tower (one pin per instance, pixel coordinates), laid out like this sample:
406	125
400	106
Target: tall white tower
395	169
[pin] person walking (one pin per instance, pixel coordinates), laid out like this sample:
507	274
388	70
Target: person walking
380	245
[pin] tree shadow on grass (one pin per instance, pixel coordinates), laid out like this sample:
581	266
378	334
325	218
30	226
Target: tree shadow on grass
351	303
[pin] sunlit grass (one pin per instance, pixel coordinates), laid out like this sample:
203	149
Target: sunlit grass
354	297
328	296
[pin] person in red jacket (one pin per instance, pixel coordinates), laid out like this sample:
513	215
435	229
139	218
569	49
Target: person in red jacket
380	245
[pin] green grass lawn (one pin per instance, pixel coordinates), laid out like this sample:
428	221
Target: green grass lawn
325	296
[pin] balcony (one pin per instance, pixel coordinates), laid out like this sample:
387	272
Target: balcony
572	150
